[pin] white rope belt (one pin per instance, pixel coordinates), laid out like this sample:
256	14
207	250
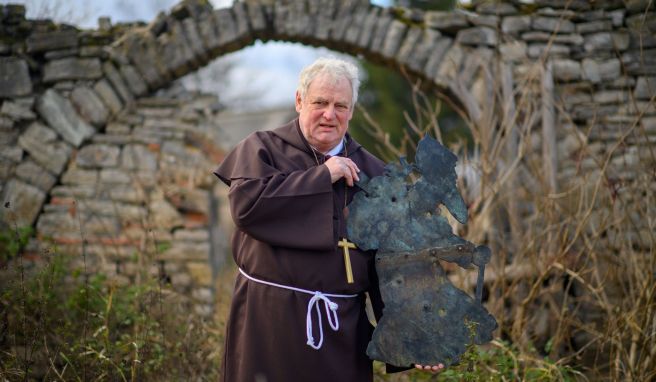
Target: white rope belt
330	307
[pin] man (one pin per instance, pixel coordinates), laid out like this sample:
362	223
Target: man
298	312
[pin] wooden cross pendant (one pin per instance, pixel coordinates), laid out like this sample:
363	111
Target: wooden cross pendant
345	244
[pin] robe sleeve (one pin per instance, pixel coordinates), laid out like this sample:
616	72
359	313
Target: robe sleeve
289	208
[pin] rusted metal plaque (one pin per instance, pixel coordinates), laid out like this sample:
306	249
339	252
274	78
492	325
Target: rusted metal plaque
426	320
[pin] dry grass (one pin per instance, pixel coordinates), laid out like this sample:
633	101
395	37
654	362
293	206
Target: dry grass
569	214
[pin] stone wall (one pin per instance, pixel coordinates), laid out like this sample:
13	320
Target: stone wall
96	164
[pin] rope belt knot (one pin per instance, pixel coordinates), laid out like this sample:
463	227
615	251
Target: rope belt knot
318	297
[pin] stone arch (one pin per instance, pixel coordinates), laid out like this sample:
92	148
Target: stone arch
69	88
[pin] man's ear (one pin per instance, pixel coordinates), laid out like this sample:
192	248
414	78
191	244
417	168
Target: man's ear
298	102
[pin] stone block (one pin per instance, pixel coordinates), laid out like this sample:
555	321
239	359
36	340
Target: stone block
642	22
242	20
477	36
108	96
490	21
645	88
368	27
412	38
198	235
21	203
393	39
553	50
641	63
201	273
112	139
640	40
207	32
17	111
174	51
142	50
188	199
450	66
14	78
30	172
133	79
80	191
138	157
345	20
610	96
421	50
515	24
52	40
380	31
594	26
72	68
88	104
74	176
574	5
115	176
12	153
164	215
566	70
115	79
450	22
61	116
596	71
204	295
572	39
606	41
496	8
553	24
513	51
196	43
44	147
181	280
126	194
97	156
57	54
352	32
256	16
226	26
617	17
437	56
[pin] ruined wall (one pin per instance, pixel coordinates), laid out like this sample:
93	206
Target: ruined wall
99	166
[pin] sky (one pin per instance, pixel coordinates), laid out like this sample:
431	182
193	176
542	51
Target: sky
262	76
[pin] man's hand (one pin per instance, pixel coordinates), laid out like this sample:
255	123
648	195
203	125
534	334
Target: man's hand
341	167
434	369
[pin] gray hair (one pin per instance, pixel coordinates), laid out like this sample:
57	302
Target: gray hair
335	68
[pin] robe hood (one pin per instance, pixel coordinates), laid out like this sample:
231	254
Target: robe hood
240	163
292	134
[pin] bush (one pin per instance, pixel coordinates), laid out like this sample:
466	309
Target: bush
61	324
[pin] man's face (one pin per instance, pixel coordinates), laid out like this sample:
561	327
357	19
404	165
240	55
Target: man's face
325	112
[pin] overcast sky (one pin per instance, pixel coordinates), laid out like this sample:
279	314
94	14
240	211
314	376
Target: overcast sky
269	70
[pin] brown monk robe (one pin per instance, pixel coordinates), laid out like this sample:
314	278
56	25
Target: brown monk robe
289	219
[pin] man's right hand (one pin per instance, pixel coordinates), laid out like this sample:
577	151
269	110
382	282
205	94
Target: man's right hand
341	167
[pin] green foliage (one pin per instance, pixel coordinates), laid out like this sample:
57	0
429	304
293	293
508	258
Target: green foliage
389	105
11	242
496	362
64	325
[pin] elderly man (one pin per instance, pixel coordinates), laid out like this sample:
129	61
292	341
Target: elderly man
298	312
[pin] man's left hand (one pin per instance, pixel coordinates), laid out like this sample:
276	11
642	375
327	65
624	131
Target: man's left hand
433	369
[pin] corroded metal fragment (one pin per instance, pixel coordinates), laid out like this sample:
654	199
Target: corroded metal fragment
426	320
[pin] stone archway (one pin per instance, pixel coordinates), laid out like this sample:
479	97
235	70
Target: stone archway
78	108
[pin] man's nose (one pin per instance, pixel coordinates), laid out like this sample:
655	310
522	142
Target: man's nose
329	113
